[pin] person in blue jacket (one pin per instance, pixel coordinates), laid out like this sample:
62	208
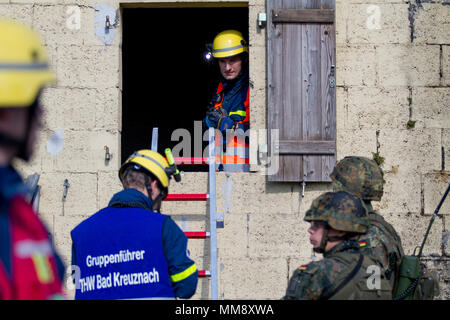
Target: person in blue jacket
229	107
129	250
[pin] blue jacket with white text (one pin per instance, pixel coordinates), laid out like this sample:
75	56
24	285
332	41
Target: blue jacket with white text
127	251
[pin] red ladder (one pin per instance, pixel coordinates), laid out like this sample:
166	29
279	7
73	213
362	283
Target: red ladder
211	197
192	197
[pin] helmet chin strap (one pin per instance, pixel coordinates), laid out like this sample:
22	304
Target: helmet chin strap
323	241
148	187
157	204
158	200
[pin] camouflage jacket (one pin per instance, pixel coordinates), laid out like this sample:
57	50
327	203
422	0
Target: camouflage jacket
383	243
343	274
319	279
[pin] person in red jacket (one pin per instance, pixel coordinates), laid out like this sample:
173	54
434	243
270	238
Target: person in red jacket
30	269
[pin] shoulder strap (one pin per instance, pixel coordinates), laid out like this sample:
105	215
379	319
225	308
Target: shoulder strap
377	220
347	279
218	98
246	121
219	87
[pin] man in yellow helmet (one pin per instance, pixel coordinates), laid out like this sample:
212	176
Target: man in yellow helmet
29	265
229	107
129	250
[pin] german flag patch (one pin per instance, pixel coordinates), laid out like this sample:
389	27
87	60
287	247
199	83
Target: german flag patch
303	267
362	243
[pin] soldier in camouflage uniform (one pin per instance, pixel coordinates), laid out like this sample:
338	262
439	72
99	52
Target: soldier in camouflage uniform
364	178
337	218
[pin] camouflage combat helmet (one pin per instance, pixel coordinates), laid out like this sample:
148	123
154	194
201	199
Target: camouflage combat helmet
341	211
360	176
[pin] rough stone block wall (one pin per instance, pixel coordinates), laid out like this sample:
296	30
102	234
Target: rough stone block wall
393	99
393	78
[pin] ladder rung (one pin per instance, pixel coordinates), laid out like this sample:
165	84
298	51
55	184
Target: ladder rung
187	197
192	161
197	234
204	273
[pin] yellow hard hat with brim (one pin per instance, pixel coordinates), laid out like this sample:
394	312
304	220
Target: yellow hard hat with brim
24	67
228	43
151	161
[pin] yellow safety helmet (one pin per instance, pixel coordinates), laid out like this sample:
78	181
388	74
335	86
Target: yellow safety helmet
24	67
149	161
228	43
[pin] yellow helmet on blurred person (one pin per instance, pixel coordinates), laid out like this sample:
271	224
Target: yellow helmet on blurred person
229	43
24	67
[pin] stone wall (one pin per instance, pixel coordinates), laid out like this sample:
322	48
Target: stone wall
394	100
393	78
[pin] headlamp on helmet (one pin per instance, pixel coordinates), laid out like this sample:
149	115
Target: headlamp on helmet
207	55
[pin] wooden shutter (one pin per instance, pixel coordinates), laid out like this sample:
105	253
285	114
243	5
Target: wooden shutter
301	88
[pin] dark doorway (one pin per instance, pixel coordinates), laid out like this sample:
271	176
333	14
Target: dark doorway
166	81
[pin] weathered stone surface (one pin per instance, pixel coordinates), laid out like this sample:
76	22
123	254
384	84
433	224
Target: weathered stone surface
54	22
341	22
108	185
233	239
81	109
412	227
353	71
341	109
21	13
84	151
356	142
287	237
446	65
81	199
238	279
434	186
408	65
88	66
445	149
378	23
375	108
430	107
414	149
431	23
395	199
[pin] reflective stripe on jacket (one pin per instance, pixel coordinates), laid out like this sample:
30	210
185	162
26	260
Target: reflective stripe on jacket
130	260
119	256
34	272
236	101
235	158
232	148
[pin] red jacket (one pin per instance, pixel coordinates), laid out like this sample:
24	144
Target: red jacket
33	273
